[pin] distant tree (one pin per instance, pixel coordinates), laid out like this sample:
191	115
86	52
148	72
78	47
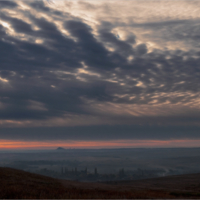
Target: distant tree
76	172
95	171
121	173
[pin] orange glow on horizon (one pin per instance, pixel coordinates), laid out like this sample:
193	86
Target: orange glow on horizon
12	144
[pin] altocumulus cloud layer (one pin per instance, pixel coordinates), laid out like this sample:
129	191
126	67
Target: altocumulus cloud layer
99	69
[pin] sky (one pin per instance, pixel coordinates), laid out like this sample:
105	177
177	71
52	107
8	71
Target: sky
99	73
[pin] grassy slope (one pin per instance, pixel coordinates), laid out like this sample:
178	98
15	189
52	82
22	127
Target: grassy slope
17	184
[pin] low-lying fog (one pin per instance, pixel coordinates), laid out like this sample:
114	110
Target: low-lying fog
105	164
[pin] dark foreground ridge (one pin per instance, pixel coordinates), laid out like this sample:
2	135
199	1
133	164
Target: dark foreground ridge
17	184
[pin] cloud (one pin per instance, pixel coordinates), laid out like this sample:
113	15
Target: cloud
8	4
61	68
106	132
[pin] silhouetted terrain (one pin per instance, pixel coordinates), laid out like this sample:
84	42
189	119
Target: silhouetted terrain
17	184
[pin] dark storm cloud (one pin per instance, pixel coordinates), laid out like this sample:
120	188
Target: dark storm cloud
32	61
123	47
8	4
85	50
44	80
18	25
40	6
103	132
92	52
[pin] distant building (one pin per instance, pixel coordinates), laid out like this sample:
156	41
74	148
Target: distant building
66	170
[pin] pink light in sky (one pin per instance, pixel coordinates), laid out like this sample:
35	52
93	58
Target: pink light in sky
12	144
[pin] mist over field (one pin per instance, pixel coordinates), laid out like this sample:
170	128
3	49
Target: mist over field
105	164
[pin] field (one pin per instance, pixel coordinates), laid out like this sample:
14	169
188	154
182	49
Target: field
17	184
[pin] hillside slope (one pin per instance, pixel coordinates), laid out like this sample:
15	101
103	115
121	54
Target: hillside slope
17	184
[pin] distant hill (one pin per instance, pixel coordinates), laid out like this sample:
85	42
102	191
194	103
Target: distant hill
17	184
60	148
